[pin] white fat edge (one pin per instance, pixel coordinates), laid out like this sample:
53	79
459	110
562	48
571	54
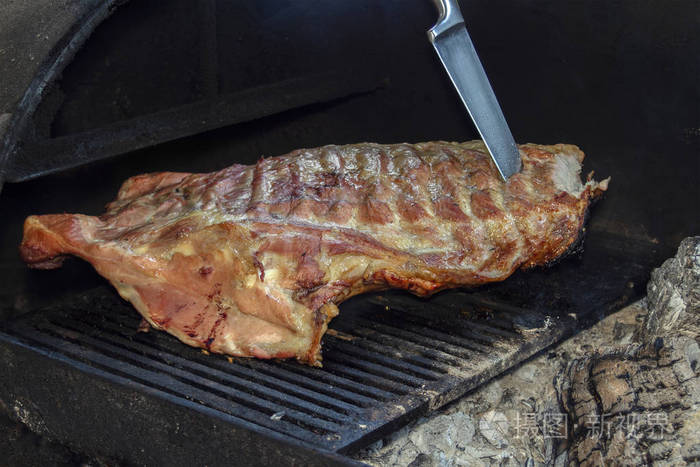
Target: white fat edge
567	174
346	265
271	274
397	236
141	250
184	248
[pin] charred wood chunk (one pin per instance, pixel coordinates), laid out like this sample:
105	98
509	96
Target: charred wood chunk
639	406
673	295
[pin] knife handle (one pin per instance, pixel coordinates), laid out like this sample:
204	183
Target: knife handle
449	15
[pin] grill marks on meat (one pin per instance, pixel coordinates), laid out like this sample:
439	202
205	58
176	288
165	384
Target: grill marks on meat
252	260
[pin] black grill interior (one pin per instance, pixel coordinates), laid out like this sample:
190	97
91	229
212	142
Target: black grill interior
617	78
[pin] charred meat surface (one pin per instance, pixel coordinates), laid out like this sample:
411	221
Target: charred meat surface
253	260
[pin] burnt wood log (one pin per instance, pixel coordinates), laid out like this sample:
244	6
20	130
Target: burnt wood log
673	295
640	405
634	407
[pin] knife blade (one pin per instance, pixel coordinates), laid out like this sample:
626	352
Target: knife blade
453	45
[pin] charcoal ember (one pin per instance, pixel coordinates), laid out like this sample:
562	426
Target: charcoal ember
673	294
634	406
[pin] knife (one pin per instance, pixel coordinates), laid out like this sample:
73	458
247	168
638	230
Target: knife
456	51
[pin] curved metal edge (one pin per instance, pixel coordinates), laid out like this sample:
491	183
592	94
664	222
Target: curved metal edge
59	57
449	16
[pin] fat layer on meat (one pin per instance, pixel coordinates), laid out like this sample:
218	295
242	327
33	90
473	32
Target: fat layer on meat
253	260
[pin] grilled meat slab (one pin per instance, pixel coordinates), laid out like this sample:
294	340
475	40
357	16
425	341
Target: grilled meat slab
252	260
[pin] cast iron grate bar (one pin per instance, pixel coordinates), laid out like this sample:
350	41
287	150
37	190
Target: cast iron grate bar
479	338
441	360
218	369
208	391
419	363
365	373
341	390
423	338
348	371
491	325
379	358
245	381
103	361
426	329
381	361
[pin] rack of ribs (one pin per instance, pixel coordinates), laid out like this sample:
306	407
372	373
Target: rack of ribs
253	260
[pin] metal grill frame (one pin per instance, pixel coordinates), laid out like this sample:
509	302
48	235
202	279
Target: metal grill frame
81	373
377	373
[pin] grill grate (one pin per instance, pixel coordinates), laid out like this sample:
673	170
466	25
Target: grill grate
373	357
388	358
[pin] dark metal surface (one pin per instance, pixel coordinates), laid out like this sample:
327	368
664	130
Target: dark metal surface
388	359
171	77
37	42
45	156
